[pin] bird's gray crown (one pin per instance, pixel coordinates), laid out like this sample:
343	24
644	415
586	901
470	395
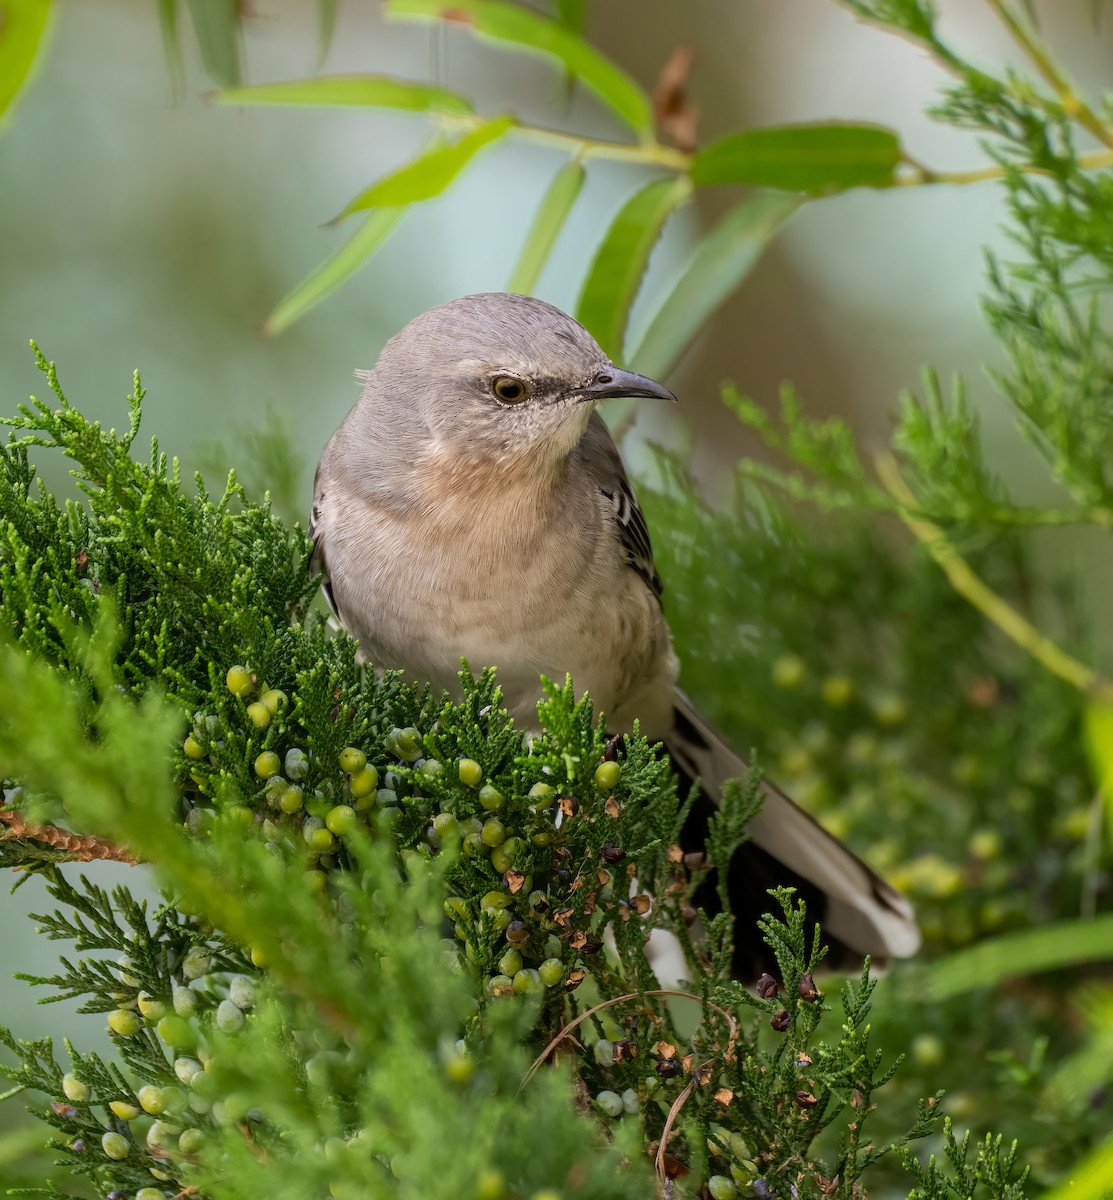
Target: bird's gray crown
493	375
493	331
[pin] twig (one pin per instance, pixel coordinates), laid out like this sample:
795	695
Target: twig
77	848
984	598
1073	104
677	1105
622	1000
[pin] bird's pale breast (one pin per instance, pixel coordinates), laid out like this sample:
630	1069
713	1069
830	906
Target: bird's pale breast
543	604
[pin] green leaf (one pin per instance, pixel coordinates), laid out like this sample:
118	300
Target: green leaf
348	91
22	36
802	158
717	266
1089	1180
1097	732
548	223
619	264
532	32
322	282
216	24
171	45
1064	944
326	25
431	173
572	14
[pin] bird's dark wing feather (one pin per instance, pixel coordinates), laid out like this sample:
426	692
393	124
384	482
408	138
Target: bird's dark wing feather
629	521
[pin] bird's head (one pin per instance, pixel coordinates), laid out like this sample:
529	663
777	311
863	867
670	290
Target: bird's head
497	377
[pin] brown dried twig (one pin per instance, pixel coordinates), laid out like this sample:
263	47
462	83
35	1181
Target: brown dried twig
75	847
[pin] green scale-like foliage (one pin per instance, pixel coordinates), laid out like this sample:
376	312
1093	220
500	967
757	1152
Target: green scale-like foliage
381	904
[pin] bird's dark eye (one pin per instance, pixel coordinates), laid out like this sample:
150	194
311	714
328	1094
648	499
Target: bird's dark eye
508	389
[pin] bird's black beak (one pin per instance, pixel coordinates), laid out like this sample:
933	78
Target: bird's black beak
613	382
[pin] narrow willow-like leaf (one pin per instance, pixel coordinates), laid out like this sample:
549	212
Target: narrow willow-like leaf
572	14
172	45
1089	1179
802	158
546	226
326	25
430	174
348	91
619	264
216	24
716	268
1098	735
22	33
528	30
334	271
1064	944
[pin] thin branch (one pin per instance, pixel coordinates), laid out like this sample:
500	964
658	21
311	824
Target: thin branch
984	598
77	848
1073	104
567	1029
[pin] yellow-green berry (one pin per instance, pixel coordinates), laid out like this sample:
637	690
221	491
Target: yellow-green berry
151	1099
176	1031
459	1068
493	833
788	671
124	1110
503	856
76	1090
193	748
490	1185
150	1193
291	798
151	1007
267	764
239	681
191	1141
551	972
607	775
186	1069
352	760
341	820
491	798
115	1146
259	715
527	981
838	691
123	1022
320	839
511	962
984	844
470	772
197	962
445	825
889	708
722	1187
363	783
539	794
273	699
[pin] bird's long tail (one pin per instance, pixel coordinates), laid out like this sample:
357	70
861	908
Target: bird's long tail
857	911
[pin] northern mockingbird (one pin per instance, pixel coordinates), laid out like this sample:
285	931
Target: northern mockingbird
473	505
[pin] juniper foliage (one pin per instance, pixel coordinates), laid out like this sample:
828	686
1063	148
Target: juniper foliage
294	1016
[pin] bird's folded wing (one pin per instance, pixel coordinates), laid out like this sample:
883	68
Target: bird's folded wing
859	909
